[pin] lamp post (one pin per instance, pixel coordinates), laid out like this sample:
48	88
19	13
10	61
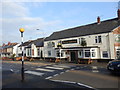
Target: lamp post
22	69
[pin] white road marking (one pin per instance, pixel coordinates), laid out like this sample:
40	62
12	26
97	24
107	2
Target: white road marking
48	77
48	70
34	73
72	69
84	85
61	66
11	70
63	81
67	70
61	72
95	71
94	67
55	74
54	68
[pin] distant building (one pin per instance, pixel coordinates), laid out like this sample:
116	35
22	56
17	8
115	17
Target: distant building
35	49
7	50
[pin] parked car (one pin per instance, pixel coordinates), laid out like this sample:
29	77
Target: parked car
114	66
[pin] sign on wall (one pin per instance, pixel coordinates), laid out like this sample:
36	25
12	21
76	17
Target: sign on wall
69	41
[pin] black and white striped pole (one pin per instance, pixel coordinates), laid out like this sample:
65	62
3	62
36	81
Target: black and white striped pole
22	68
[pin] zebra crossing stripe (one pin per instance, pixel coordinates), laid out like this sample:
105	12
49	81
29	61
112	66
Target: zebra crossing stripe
61	66
34	73
95	71
54	68
94	67
48	77
48	70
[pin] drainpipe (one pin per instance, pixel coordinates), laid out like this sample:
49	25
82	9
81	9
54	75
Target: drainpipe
109	46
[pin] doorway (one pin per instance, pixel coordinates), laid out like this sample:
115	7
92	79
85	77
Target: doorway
74	56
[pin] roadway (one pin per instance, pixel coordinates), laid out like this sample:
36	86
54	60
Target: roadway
93	76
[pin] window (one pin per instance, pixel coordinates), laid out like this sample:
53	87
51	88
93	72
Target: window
83	42
53	44
62	54
87	53
118	53
81	53
30	52
105	54
58	54
93	53
49	53
98	39
38	52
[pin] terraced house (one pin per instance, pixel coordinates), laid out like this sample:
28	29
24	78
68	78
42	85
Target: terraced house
96	41
35	49
7	50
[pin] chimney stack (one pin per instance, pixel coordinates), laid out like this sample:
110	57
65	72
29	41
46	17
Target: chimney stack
9	43
118	13
98	20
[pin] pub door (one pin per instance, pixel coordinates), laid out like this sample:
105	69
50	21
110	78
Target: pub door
74	56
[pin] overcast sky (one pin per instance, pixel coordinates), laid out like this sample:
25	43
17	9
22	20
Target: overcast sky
49	17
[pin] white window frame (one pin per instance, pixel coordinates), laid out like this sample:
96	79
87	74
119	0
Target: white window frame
38	51
49	53
97	39
82	54
107	54
92	50
85	52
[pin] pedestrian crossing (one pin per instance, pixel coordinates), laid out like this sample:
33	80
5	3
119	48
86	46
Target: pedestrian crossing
48	71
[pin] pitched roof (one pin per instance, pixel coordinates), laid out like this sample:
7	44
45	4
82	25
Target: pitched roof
38	42
94	28
9	46
26	43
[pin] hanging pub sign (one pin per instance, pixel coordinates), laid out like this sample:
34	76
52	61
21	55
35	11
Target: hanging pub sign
69	41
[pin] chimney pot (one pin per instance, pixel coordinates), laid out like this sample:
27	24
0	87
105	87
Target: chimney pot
98	20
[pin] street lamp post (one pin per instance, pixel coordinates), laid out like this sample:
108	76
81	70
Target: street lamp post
22	69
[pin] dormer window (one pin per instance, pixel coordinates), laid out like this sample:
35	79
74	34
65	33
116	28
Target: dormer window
98	39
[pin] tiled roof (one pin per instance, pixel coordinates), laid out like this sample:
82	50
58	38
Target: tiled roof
27	43
9	46
38	42
94	28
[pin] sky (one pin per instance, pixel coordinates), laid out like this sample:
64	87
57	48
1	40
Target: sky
41	19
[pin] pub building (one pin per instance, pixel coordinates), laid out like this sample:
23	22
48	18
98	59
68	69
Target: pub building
99	41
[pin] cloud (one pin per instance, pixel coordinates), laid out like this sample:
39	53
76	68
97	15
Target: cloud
16	15
12	9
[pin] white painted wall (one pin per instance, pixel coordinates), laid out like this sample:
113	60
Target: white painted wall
106	45
15	50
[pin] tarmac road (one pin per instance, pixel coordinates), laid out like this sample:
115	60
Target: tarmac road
48	74
12	79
